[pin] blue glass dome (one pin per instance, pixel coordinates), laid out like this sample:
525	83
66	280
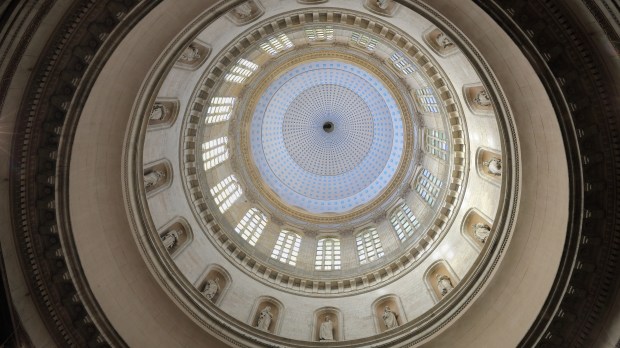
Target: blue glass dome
327	136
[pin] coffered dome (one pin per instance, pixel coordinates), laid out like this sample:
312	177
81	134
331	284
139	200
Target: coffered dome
309	173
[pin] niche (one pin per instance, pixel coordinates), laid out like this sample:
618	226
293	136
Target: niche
328	325
489	165
193	55
246	12
388	313
440	280
156	177
163	113
383	7
478	100
267	315
214	283
476	228
439	42
176	236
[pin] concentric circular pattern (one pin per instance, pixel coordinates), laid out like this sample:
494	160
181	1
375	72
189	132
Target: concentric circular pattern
328	130
327	171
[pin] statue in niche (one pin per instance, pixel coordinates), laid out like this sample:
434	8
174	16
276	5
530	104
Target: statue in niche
159	112
264	319
494	165
243	11
444	284
190	54
443	41
383	4
152	179
481	231
326	332
171	239
211	288
482	99
389	318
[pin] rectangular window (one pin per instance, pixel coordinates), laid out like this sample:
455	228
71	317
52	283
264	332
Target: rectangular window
436	143
427	100
428	186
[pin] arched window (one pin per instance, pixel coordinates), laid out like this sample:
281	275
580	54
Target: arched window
219	110
226	193
404	222
214	152
325	33
369	246
401	63
287	246
251	225
241	71
436	143
428	186
427	100
276	44
327	254
364	41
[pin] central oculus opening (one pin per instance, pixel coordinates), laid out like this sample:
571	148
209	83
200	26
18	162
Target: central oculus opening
328	127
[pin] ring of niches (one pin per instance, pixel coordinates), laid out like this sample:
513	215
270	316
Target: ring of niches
297	224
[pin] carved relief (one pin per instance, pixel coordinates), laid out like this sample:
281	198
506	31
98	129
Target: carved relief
175	236
328	325
163	113
489	165
476	228
246	12
388	313
440	42
267	315
214	283
383	7
193	55
440	280
478	99
156	177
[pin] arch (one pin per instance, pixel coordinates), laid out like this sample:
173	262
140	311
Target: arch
157	176
478	100
194	55
439	42
175	236
475	217
436	273
378	308
224	281
276	313
368	245
163	114
337	322
287	247
328	254
489	165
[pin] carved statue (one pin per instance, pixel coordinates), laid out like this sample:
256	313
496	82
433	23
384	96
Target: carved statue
443	41
159	112
264	319
211	289
151	179
444	284
494	165
481	231
482	99
389	318
243	11
326	332
171	238
383	4
190	54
